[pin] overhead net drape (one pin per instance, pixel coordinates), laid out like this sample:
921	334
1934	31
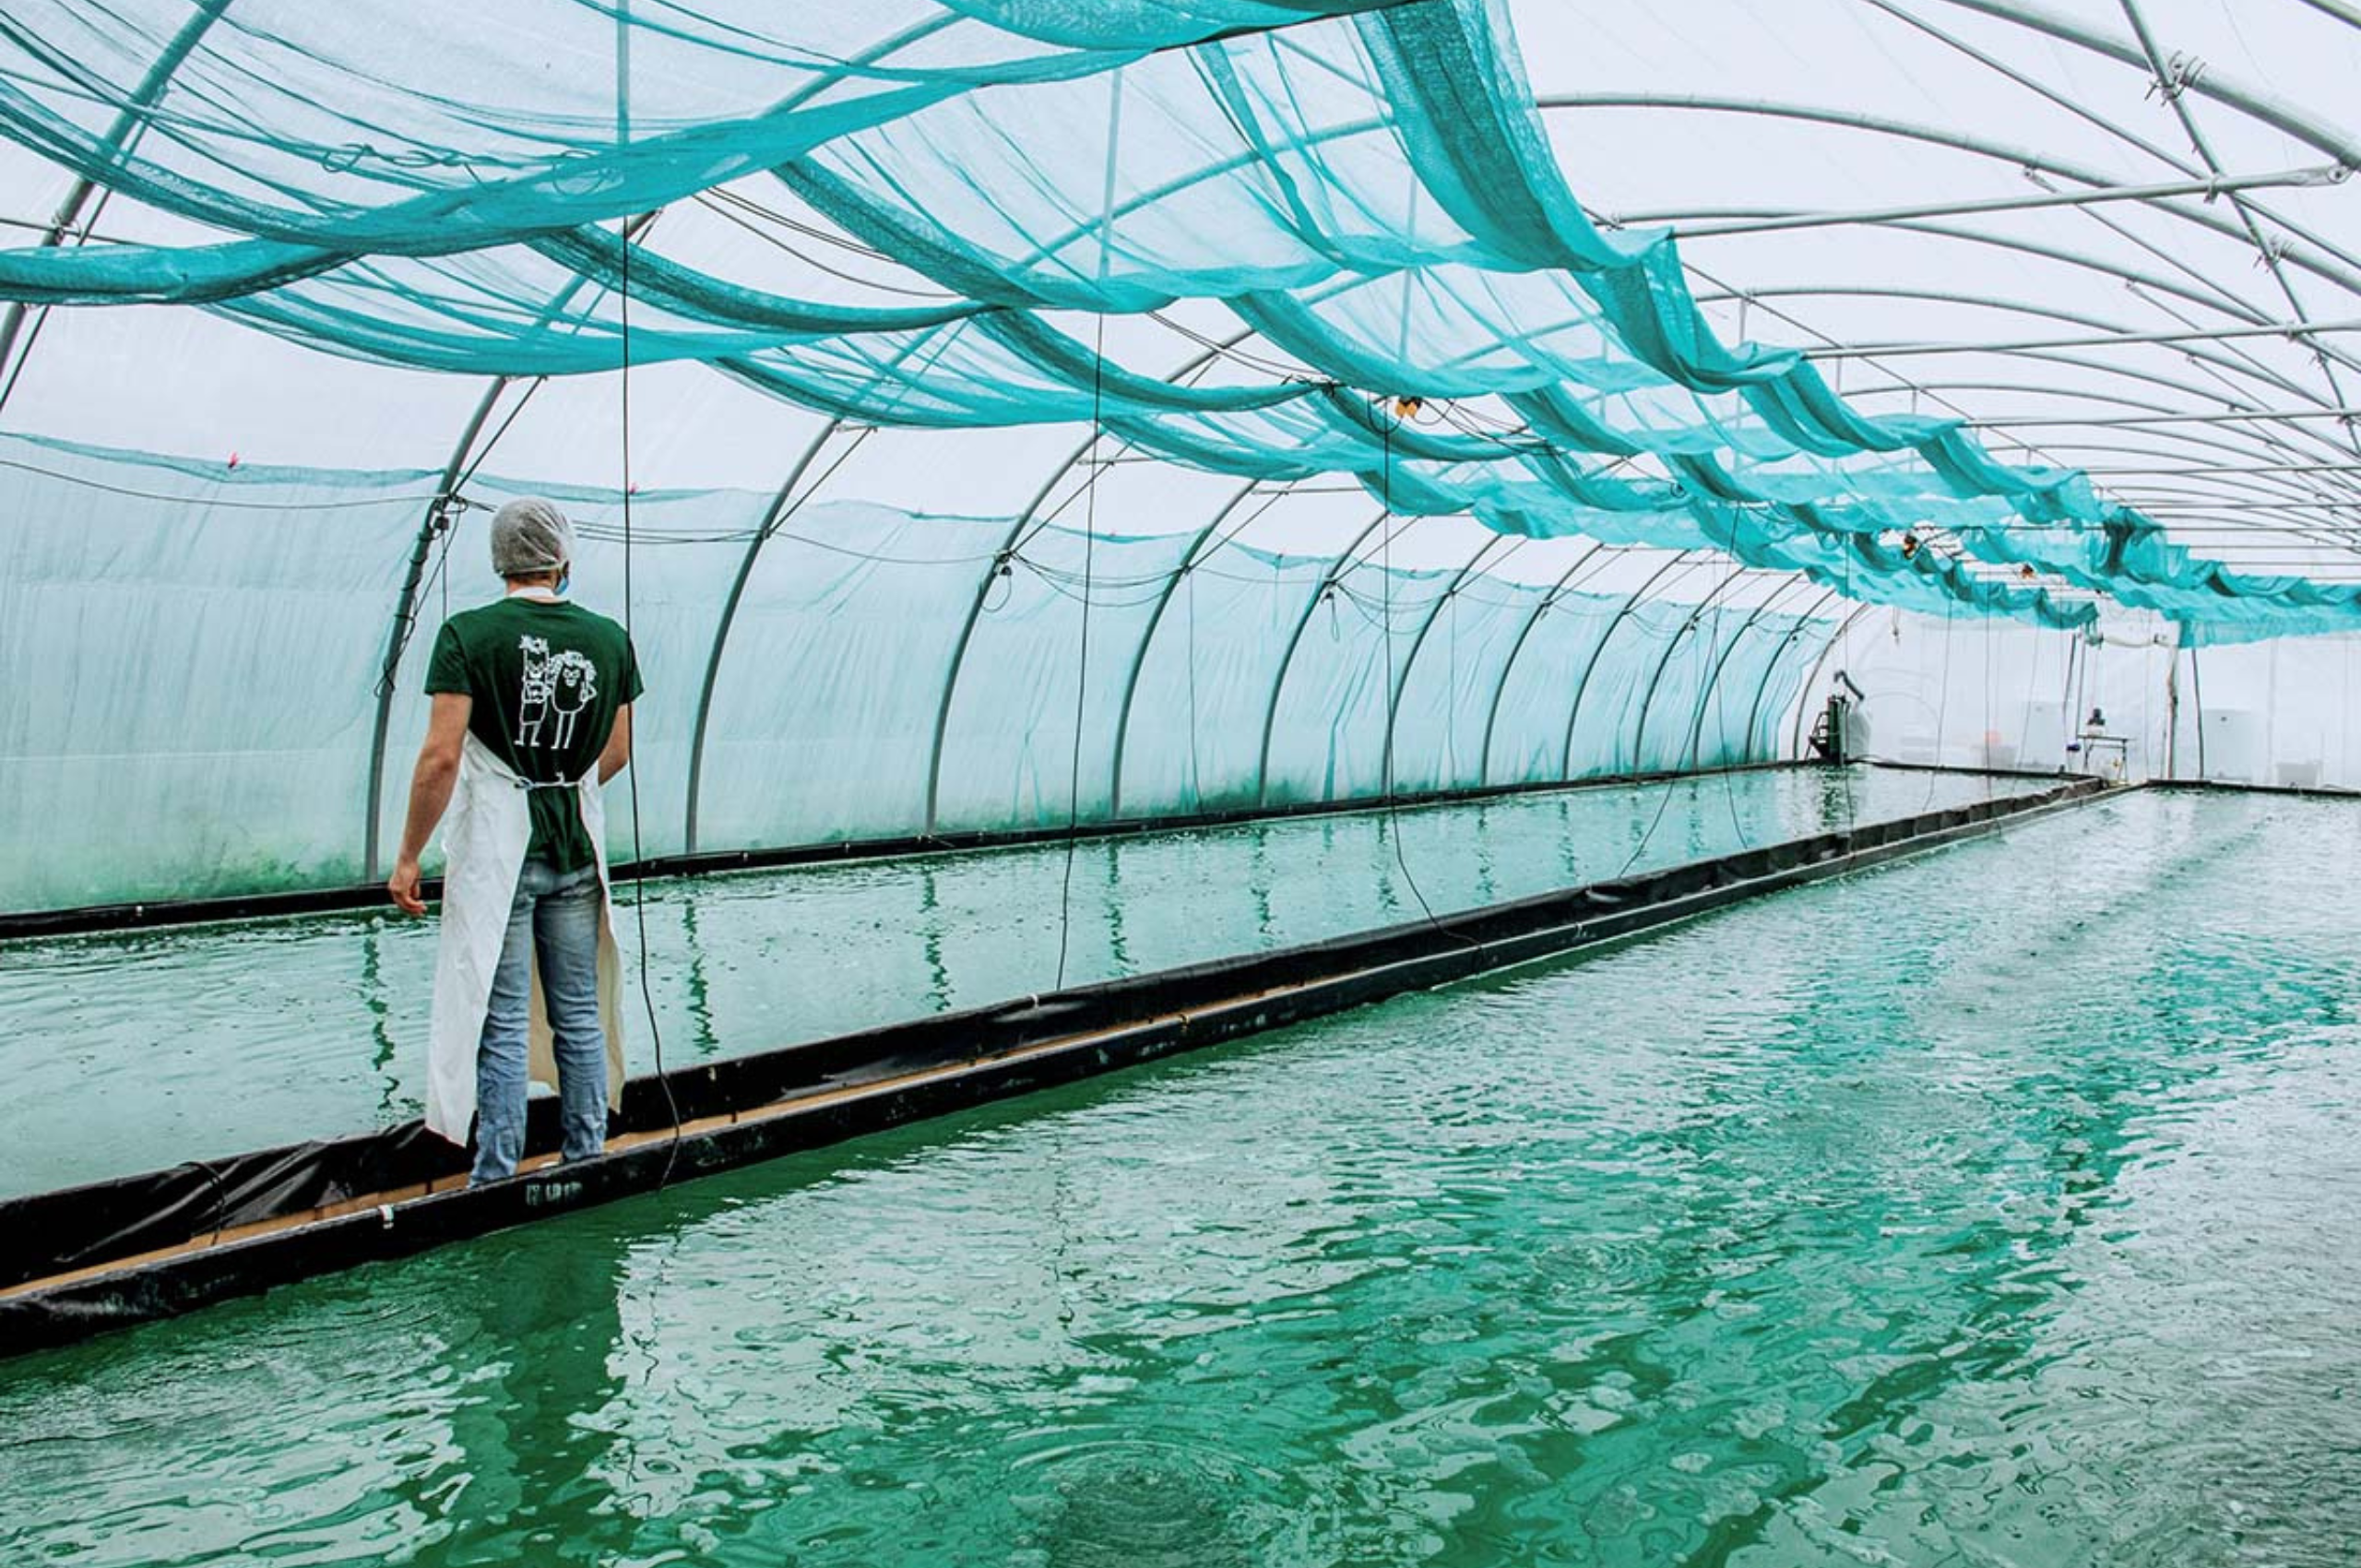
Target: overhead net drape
1303	246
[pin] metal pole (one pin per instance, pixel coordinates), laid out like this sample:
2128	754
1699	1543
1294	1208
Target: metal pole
2223	366
2197	694
406	603
1402	676
2171	88
2240	468
2292	332
1763	687
2080	110
1336	569
774	517
2314	175
116	145
1017	533
438	517
2172	715
1671	647
2239	417
1714	679
2304	505
2255	103
2348	15
1500	686
1949	136
1796	740
1590	665
1147	635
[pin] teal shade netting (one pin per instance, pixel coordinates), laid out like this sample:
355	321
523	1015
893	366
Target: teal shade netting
956	220
1366	187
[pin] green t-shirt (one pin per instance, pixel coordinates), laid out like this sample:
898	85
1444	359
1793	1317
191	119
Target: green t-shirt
546	679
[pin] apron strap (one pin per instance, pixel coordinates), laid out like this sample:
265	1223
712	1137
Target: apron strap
528	784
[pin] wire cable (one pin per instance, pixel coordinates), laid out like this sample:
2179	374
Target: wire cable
1392	697
638	853
1089	531
1664	803
1717	692
1082	665
1943	711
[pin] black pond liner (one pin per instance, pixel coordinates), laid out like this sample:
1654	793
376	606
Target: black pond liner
90	918
140	1248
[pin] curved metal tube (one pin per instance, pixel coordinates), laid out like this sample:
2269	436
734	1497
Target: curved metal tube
992	569
774	516
1015	537
1402	675
437	518
2211	299
1978	146
1516	646
2110	443
2250	102
1811	678
406	603
117	141
1590	665
2259	442
2228	364
2080	110
1147	636
1336	569
1714	679
2017	157
1763	687
1672	646
2279	436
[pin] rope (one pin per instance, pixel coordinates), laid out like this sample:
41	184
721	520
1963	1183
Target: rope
1385	761
1090	530
1943	712
1665	803
638	854
1719	693
1082	665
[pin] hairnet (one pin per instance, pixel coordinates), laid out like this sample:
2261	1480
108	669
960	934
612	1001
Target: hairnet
530	535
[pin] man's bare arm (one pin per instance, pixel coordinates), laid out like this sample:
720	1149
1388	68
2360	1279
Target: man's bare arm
430	793
617	755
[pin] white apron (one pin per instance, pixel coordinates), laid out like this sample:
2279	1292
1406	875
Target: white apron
484	837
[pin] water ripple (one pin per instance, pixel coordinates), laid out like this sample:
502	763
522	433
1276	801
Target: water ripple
1987	1208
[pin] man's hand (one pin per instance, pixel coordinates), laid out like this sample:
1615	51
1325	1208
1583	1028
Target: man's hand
404	886
430	792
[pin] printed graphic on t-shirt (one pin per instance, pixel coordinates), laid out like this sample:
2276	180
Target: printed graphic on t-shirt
560	685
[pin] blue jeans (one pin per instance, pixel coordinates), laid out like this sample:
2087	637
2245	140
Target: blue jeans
556	915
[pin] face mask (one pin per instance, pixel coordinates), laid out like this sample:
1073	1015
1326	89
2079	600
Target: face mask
565	578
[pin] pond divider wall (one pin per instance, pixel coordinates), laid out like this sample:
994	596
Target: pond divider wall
24	924
82	1260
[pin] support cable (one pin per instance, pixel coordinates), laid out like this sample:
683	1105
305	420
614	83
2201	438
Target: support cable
638	853
1386	420
1090	530
1664	802
2170	78
1082	665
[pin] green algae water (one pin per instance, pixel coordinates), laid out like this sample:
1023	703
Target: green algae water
1994	1207
210	1040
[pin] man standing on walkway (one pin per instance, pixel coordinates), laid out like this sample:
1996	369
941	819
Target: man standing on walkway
531	716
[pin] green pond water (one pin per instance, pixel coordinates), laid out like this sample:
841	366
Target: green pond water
210	1040
1994	1207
